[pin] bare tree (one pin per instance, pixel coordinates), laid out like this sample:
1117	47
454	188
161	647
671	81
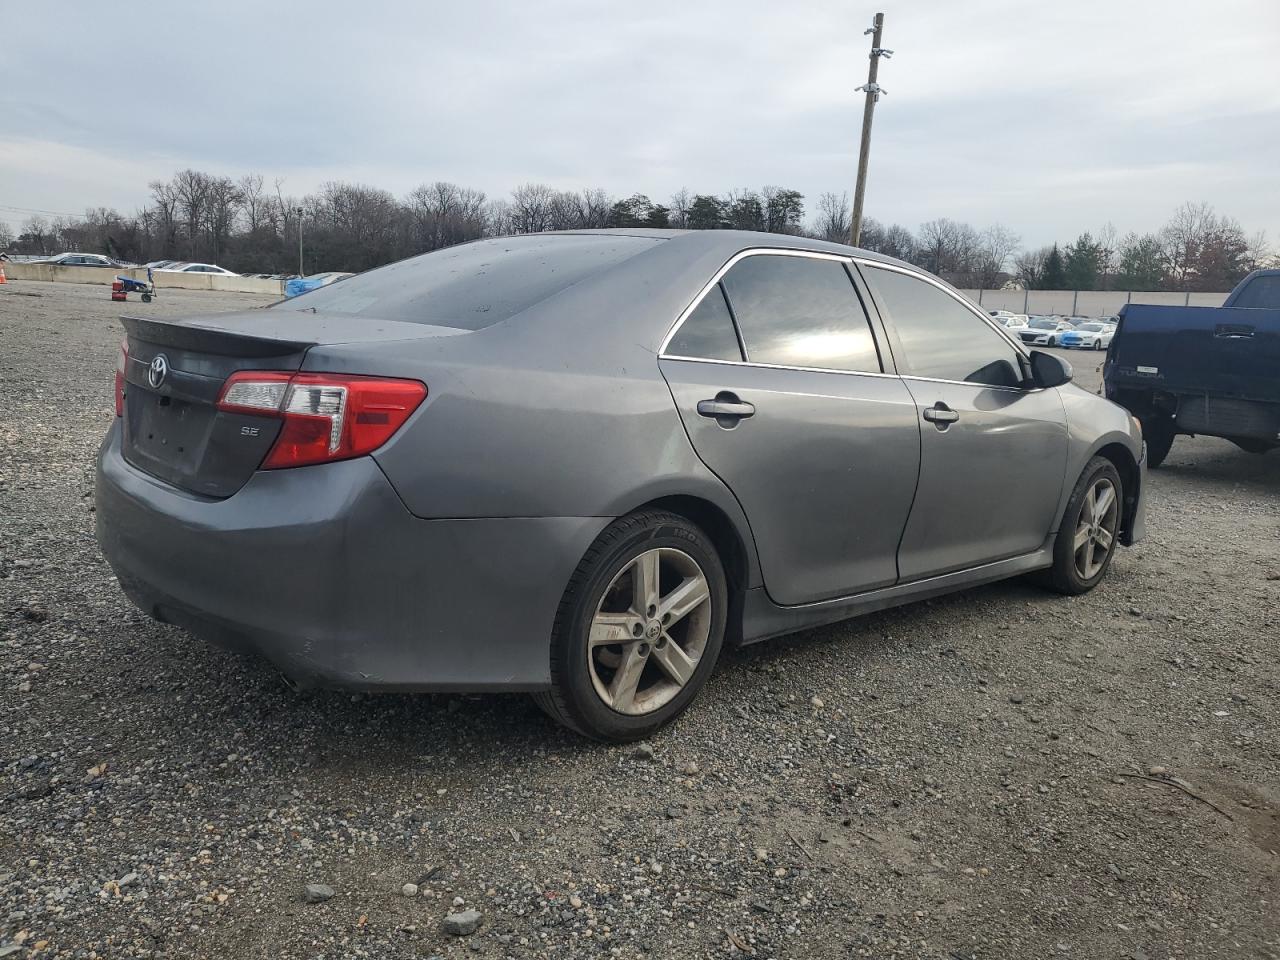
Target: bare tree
995	246
1181	239
191	190
1029	267
832	221
253	200
898	242
164	200
531	208
1108	255
1259	252
681	201
222	204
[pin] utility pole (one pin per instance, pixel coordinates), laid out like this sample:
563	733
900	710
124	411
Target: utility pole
873	91
298	211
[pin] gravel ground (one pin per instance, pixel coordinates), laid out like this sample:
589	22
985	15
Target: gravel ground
972	777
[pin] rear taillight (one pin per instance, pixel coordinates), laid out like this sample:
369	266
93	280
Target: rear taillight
327	416
121	362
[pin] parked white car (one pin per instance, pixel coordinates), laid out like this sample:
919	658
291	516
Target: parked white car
197	268
1090	335
1011	321
1045	331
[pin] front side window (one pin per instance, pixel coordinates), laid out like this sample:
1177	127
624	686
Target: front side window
708	332
941	338
800	312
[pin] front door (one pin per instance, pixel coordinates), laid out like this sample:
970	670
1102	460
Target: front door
992	452
792	410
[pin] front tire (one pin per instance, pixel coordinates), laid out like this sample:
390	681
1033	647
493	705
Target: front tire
1090	530
639	628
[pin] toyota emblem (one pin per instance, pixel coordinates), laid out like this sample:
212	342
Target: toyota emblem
158	370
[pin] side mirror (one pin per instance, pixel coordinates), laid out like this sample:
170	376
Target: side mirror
1049	370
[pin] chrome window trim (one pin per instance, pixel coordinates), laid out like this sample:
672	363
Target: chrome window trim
839	258
780	366
846	373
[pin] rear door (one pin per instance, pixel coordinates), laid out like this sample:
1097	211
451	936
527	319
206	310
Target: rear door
793	410
992	454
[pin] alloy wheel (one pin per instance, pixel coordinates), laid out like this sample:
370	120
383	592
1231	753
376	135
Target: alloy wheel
1096	528
649	631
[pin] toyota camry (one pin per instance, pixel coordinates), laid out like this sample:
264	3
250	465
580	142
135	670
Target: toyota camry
579	464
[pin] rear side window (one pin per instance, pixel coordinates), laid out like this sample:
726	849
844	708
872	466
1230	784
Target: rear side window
1261	291
800	312
473	285
941	338
707	333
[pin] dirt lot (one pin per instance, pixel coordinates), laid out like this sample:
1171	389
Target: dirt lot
964	778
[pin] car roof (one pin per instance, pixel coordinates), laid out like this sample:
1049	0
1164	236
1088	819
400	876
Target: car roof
735	241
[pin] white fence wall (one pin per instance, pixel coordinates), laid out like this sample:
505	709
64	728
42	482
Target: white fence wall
1086	303
104	275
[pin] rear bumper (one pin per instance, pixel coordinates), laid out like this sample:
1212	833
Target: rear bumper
324	572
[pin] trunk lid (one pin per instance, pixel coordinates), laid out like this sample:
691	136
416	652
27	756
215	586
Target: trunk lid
176	369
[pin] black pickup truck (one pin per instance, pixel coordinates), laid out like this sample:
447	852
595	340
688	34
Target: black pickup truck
1202	370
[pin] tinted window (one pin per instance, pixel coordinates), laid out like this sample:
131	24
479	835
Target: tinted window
941	338
707	332
800	312
1261	291
472	285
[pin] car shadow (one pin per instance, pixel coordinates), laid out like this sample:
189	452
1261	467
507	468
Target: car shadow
319	733
1217	462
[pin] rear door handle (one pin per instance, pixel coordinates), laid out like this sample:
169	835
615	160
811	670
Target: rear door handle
940	415
726	409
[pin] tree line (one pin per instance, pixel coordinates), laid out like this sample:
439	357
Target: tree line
246	226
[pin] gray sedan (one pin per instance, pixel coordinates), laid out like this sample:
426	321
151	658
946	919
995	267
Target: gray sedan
578	464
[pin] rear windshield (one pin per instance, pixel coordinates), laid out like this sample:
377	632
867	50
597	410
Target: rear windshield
472	285
1261	291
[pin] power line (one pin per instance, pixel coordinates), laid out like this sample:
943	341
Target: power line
52	213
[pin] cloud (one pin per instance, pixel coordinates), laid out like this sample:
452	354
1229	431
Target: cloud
1052	118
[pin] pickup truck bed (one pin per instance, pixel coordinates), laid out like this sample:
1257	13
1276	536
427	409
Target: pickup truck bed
1201	370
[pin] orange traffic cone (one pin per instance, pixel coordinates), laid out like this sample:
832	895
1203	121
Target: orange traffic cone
2	276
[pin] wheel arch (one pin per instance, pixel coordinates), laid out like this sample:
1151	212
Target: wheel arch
729	542
1130	479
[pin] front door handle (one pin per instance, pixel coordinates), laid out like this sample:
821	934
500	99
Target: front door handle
940	415
726	409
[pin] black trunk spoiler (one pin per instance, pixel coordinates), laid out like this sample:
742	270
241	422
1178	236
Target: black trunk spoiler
186	335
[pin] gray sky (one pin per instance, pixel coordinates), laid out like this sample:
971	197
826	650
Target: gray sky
1050	117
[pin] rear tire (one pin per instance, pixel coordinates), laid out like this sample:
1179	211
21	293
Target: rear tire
1090	530
633	644
1159	432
